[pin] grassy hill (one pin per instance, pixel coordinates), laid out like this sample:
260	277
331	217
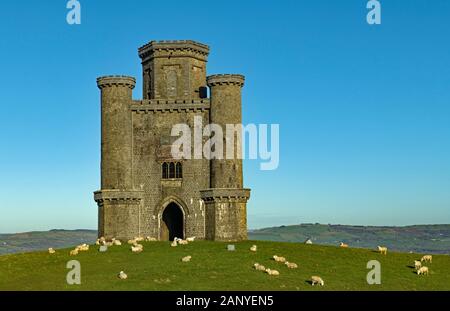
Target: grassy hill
213	267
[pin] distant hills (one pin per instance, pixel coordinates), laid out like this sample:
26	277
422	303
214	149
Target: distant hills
418	239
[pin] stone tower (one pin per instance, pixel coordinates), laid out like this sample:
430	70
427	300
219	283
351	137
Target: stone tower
144	190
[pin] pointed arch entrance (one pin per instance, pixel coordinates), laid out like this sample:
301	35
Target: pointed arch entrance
172	222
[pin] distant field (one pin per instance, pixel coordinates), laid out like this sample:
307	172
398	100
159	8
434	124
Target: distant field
418	239
212	267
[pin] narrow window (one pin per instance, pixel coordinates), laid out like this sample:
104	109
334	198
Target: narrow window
171	170
179	170
165	171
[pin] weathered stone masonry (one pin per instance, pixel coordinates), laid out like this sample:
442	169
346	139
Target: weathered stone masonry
140	193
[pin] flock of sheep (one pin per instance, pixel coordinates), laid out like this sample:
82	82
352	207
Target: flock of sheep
136	247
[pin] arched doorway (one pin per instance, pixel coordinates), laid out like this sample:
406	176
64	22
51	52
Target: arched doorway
172	222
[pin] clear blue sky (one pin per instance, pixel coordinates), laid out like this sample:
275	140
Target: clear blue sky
364	111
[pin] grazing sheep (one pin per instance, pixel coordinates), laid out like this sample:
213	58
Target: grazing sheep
272	272
174	243
51	251
150	239
279	259
382	250
82	248
190	239
291	265
137	248
423	270
186	259
182	242
343	245
417	264
139	239
122	275
308	241
427	258
317	280
73	252
253	248
117	242
259	267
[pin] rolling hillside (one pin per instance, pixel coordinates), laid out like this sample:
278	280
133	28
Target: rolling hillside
213	267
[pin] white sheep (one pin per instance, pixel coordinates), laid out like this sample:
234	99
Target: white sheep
272	272
150	239
117	242
343	245
427	258
186	259
382	250
182	242
139	239
191	239
253	248
51	251
279	259
291	265
417	264
122	275
259	267
317	280
137	248
174	243
423	270
73	252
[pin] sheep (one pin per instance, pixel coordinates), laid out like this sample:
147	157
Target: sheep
382	250
51	251
190	239
182	242
132	242
427	258
139	239
272	272
117	242
291	265
253	248
279	259
343	245
82	248
317	280
174	243
137	248
97	242
423	270
308	241
186	259
73	252
259	267
122	275
150	239
417	264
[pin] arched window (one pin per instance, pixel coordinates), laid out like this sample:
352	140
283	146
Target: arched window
171	170
165	171
179	170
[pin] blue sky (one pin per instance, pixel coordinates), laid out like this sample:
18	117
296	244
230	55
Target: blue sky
364	111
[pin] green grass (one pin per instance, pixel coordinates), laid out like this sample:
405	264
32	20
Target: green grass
212	267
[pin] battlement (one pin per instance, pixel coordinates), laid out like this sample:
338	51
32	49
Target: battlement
173	48
225	79
116	80
158	105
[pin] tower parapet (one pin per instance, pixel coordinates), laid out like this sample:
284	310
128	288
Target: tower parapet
173	69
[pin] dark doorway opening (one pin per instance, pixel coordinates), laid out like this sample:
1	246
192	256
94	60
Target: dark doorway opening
172	223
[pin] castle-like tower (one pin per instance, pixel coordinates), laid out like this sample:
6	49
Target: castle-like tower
144	190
